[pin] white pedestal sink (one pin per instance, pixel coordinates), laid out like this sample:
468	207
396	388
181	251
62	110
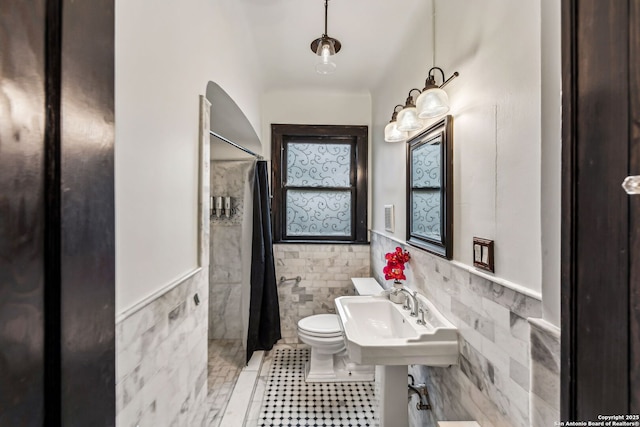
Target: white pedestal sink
379	332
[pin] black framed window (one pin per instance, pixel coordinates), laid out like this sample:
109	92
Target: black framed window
319	183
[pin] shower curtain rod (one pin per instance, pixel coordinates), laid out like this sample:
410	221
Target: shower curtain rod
238	146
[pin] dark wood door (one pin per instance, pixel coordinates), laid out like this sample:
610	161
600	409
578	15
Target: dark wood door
57	268
634	205
22	218
600	249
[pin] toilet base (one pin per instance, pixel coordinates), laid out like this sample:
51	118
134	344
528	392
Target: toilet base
343	371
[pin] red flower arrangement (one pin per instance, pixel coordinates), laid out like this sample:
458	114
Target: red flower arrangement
395	265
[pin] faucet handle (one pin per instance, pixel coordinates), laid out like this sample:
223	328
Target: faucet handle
406	303
422	310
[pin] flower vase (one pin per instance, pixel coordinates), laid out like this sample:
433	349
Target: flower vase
397	296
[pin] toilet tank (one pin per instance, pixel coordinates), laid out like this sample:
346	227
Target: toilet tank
366	286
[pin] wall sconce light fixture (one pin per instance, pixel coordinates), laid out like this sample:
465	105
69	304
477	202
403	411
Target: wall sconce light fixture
434	101
325	47
391	132
408	120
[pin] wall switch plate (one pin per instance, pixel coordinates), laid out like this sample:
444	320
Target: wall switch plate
483	254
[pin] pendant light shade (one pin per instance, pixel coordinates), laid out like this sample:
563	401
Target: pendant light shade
325	50
325	47
408	120
391	131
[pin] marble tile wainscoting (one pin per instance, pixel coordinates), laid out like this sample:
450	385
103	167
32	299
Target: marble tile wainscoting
326	272
545	373
161	351
492	382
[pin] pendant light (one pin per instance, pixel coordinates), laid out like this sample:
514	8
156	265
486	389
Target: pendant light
408	120
325	47
391	132
434	101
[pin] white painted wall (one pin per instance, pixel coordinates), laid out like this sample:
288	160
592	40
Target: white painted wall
496	104
551	185
388	170
313	108
166	53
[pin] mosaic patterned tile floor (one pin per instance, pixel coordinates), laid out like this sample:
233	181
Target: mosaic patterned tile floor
289	401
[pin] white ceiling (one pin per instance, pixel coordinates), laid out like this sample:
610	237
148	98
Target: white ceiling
371	32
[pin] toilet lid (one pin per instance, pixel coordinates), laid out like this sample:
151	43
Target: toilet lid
321	324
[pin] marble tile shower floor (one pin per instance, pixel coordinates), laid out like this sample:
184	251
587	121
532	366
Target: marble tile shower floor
226	360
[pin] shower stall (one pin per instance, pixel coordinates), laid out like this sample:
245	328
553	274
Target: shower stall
243	303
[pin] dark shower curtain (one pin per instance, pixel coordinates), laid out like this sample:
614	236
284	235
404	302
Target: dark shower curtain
264	309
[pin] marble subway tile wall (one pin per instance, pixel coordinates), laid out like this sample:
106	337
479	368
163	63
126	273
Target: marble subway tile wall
545	373
161	369
326	272
228	178
492	382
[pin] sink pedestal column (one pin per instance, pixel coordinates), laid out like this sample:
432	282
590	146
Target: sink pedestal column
394	410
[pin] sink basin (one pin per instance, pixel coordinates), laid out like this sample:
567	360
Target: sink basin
380	332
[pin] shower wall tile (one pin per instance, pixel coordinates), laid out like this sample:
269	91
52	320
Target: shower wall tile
326	272
161	353
225	306
493	381
226	252
228	178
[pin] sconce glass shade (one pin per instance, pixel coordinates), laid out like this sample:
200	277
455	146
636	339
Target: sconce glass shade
432	103
325	50
408	120
392	134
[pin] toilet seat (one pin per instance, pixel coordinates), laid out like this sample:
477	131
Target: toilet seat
321	325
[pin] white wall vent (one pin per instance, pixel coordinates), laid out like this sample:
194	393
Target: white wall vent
389	220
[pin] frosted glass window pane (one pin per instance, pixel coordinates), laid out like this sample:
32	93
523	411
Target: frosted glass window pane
425	220
426	166
318	165
318	213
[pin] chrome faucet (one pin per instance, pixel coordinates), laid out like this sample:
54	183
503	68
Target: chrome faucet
414	301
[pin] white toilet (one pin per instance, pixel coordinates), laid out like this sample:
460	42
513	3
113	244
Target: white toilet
329	361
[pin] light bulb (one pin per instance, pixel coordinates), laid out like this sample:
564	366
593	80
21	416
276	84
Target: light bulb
325	66
326	53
